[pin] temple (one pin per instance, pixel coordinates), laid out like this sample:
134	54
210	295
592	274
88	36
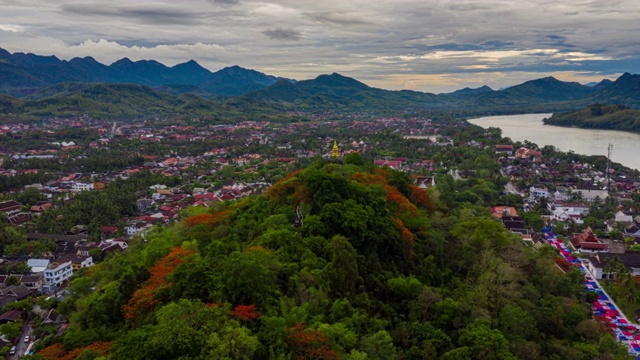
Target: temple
335	152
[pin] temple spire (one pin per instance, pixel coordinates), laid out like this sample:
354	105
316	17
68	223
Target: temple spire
335	152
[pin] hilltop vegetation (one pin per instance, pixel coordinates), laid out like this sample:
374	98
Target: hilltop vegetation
126	101
598	116
337	261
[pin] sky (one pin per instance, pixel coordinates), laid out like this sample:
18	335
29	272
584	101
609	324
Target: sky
424	45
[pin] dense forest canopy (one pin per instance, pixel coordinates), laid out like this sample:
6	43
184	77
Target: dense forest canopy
599	116
337	261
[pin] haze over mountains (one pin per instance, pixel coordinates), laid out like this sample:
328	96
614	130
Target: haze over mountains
45	85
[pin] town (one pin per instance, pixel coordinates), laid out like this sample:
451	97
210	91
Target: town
132	178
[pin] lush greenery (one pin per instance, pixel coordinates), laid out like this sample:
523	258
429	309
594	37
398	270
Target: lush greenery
336	261
599	116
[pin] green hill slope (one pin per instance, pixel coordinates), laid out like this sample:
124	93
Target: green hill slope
124	101
598	116
334	262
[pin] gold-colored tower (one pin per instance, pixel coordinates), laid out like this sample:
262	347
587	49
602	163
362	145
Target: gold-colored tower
335	152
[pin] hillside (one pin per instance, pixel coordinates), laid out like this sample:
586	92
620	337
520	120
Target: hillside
333	262
125	101
625	91
598	116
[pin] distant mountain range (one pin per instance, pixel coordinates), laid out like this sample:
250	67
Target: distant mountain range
38	86
25	74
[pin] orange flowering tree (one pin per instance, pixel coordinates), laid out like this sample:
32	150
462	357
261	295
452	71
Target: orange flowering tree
309	344
56	352
205	219
245	312
145	298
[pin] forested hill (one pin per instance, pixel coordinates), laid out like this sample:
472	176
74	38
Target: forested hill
334	262
598	116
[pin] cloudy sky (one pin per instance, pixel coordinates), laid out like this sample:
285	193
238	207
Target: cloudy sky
425	45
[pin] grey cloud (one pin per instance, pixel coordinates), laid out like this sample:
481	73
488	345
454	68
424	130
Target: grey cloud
152	15
329	17
226	2
283	34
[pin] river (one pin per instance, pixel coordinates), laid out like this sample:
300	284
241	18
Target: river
626	146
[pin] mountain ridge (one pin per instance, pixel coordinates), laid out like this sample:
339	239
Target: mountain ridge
35	78
32	73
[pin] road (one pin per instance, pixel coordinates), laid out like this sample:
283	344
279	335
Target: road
21	346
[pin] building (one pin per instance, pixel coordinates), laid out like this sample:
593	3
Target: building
32	282
9	206
14	293
504	149
500	211
596	264
57	273
38	265
587	241
77	261
78	186
537	192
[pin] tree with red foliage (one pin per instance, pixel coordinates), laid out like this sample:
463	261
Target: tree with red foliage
144	299
206	219
55	352
420	198
245	312
309	344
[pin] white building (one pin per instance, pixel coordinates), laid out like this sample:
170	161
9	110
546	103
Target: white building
38	265
596	264
567	214
57	273
78	186
538	192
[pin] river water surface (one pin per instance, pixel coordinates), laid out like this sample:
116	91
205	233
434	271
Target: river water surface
626	146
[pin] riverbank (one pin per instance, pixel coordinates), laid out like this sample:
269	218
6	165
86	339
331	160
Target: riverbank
530	127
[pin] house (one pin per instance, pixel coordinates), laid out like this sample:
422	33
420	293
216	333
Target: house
591	194
582	208
79	186
77	261
538	191
516	225
621	217
58	272
596	264
9	206
633	231
587	241
424	182
530	154
40	207
32	282
566	215
504	149
394	164
52	317
19	218
144	204
500	211
12	316
14	293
